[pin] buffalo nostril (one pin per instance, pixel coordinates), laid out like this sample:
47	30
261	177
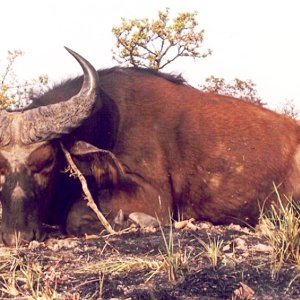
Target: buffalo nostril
10	239
16	239
40	235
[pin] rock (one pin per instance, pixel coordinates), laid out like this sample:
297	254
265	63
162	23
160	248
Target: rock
143	220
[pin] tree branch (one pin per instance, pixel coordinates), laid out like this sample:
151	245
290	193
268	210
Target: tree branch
88	196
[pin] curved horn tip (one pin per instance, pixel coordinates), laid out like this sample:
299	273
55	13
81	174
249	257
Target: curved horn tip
70	50
85	64
75	54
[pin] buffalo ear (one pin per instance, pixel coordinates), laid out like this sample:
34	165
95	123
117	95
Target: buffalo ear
79	148
99	163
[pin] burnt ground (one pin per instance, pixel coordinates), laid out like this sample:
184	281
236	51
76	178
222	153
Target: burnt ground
136	265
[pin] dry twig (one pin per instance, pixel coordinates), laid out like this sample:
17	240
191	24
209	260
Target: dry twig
88	196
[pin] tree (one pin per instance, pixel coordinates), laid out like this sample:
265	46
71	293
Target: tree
288	107
243	89
155	44
14	92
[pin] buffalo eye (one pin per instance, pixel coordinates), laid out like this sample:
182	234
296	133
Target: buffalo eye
3	171
2	181
42	160
44	165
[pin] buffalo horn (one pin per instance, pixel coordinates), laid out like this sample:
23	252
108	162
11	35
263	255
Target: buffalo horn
5	127
52	121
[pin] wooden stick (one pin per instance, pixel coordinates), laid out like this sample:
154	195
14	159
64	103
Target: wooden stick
88	196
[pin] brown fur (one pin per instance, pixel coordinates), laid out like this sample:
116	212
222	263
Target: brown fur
207	156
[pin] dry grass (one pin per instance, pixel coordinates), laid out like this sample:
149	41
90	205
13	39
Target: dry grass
173	260
281	227
22	278
91	268
212	250
31	274
115	265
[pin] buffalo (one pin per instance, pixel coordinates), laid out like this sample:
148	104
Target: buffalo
146	142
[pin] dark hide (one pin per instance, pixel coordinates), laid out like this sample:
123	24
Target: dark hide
179	150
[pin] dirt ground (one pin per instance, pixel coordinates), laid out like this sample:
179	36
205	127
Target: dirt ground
147	264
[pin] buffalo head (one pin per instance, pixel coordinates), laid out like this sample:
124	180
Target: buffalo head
28	156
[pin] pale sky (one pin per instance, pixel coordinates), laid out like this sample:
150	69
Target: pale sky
250	39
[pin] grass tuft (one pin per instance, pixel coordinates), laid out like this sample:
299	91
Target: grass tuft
173	260
281	228
212	250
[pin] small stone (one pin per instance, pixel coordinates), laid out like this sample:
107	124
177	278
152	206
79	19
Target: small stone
243	292
262	248
205	225
149	229
226	248
235	227
35	244
181	224
56	245
192	226
240	244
